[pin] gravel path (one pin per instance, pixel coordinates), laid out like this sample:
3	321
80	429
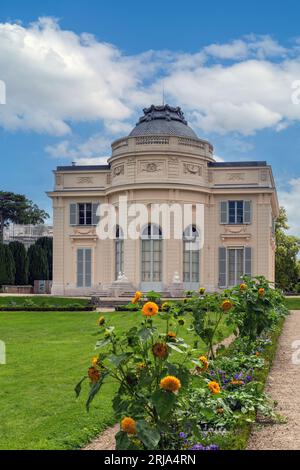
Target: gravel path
283	385
106	440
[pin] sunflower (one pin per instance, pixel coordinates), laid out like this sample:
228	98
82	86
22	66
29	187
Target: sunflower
150	309
137	297
261	291
95	361
243	286
202	290
171	336
94	374
101	321
165	307
128	425
214	387
204	361
170	383
160	350
226	305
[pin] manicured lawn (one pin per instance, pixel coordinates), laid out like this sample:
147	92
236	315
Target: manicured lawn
47	353
42	300
292	303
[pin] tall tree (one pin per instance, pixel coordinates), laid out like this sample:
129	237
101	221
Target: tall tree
20	210
38	264
287	249
19	253
47	244
7	265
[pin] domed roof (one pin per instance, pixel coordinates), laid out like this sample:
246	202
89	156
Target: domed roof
163	120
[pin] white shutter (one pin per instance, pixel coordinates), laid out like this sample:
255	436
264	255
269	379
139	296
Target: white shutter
223	212
73	214
247	212
222	267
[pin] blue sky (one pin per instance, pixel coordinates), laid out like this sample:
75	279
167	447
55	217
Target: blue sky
78	77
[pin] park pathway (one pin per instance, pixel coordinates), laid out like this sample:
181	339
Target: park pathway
283	385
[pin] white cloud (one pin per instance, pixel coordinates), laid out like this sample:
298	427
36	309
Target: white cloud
93	147
56	78
290	199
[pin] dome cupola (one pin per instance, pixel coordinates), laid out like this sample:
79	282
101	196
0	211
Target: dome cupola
163	120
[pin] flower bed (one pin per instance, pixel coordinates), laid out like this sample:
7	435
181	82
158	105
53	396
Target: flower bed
171	396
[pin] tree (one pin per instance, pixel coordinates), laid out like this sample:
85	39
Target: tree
7	265
19	254
47	244
38	264
20	210
287	249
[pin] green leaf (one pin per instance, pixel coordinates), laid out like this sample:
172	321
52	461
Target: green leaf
102	343
145	333
173	346
94	390
122	441
77	389
117	360
163	402
147	434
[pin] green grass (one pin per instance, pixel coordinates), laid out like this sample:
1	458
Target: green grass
47	354
292	303
5	301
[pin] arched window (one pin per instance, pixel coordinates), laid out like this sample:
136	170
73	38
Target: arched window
151	266
191	258
119	251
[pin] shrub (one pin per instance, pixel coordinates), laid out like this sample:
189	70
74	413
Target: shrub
19	254
7	266
38	264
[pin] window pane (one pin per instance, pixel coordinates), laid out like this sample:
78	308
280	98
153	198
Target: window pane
231	207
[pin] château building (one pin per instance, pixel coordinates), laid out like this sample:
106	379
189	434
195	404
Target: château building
163	161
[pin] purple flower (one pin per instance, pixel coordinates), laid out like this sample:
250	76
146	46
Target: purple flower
249	378
213	447
197	447
182	435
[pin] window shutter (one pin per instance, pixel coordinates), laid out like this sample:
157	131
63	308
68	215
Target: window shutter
73	214
222	267
247	212
223	212
248	261
80	269
88	267
95	217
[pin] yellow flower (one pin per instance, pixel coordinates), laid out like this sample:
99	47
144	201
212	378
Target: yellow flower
165	307
137	297
237	382
128	425
257	353
243	286
150	309
202	290
95	361
205	363
214	387
171	336
93	374
261	291
141	366
170	383
220	410
101	321
160	350
226	305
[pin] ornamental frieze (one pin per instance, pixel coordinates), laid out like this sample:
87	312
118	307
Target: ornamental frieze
85	180
192	169
118	170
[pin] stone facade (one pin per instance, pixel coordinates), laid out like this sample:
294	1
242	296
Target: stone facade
164	168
